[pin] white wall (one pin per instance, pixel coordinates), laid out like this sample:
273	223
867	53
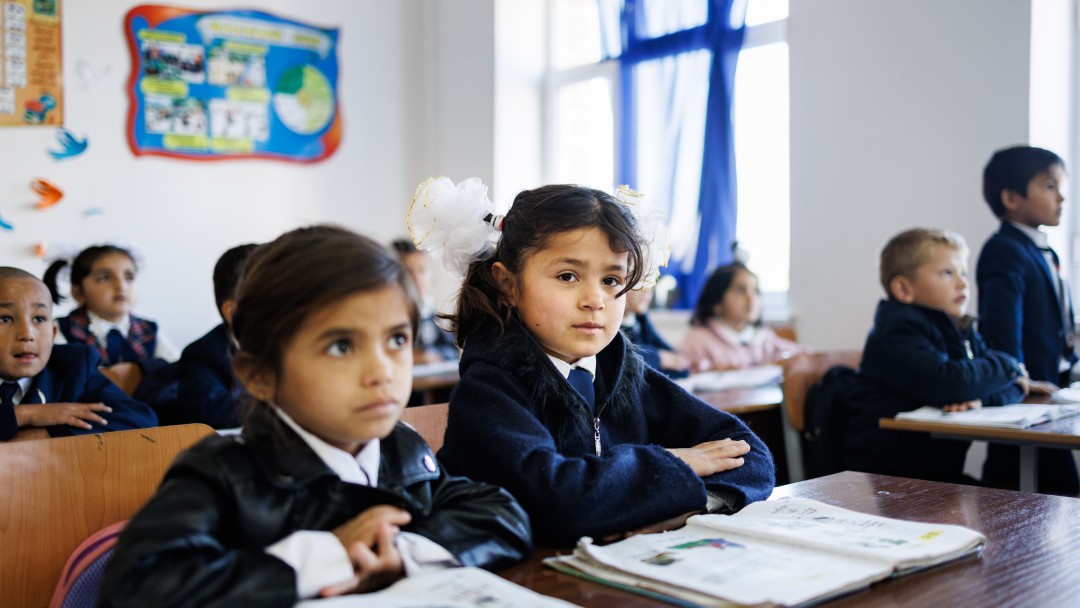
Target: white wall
895	107
182	215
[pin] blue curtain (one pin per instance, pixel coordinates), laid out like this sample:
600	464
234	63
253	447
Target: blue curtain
675	131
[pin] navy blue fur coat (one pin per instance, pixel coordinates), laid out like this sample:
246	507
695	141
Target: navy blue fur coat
917	356
516	422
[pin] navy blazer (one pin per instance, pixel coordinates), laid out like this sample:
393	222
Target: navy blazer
516	422
72	376
1018	304
208	392
917	356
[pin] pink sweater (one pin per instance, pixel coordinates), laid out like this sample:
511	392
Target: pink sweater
717	346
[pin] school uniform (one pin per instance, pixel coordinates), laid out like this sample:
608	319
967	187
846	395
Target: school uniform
208	392
72	376
1025	312
916	356
139	340
242	520
641	332
581	469
716	345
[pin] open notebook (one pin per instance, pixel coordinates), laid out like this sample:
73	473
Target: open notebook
1016	416
785	552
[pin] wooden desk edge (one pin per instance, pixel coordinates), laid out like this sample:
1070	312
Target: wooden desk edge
1028	435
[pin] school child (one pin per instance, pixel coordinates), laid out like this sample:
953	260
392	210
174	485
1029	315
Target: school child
726	330
923	350
553	403
1024	305
652	347
208	392
324	492
103	285
432	343
53	386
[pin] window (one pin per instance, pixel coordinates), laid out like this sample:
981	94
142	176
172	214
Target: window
583	113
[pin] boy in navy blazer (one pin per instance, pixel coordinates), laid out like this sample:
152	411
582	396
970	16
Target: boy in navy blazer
923	350
208	392
56	387
1024	304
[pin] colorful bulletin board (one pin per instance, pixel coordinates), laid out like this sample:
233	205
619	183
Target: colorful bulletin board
30	89
231	84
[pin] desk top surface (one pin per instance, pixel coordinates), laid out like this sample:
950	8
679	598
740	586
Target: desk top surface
1031	558
1064	433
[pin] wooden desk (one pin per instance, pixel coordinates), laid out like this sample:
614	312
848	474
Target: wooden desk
1063	433
1031	558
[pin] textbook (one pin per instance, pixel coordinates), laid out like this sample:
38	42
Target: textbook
1016	416
786	552
449	588
750	377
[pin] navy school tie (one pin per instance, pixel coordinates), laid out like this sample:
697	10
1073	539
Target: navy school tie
7	401
582	381
114	346
7	393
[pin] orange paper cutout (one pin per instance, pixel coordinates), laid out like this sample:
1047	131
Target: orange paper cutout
39	250
50	194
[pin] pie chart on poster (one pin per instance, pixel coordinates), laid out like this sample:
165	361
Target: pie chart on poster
303	99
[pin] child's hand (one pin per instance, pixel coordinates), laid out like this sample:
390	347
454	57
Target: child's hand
1039	387
974	404
673	360
374	567
364	527
713	456
1035	387
78	415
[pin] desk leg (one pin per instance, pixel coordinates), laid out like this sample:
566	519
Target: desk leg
792	449
1029	468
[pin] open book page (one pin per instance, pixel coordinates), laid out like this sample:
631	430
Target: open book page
450	588
1066	395
736	568
751	377
1015	416
784	552
816	525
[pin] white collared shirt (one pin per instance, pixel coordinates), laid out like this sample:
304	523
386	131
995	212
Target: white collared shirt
318	557
586	363
100	327
24	385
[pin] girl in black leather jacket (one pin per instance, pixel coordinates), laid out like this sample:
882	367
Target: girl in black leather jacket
324	492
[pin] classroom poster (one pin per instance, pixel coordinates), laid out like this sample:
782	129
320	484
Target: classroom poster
30	63
231	84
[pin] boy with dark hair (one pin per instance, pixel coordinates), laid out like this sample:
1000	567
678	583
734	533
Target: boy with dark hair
1024	304
57	387
208	391
431	343
923	350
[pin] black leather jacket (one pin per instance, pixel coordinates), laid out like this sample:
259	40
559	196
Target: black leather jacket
201	540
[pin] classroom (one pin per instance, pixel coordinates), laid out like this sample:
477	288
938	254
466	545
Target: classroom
894	107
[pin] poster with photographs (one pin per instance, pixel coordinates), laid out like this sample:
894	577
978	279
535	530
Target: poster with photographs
231	84
30	63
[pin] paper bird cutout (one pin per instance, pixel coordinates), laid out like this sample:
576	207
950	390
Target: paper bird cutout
5	225
39	250
70	145
50	194
92	211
